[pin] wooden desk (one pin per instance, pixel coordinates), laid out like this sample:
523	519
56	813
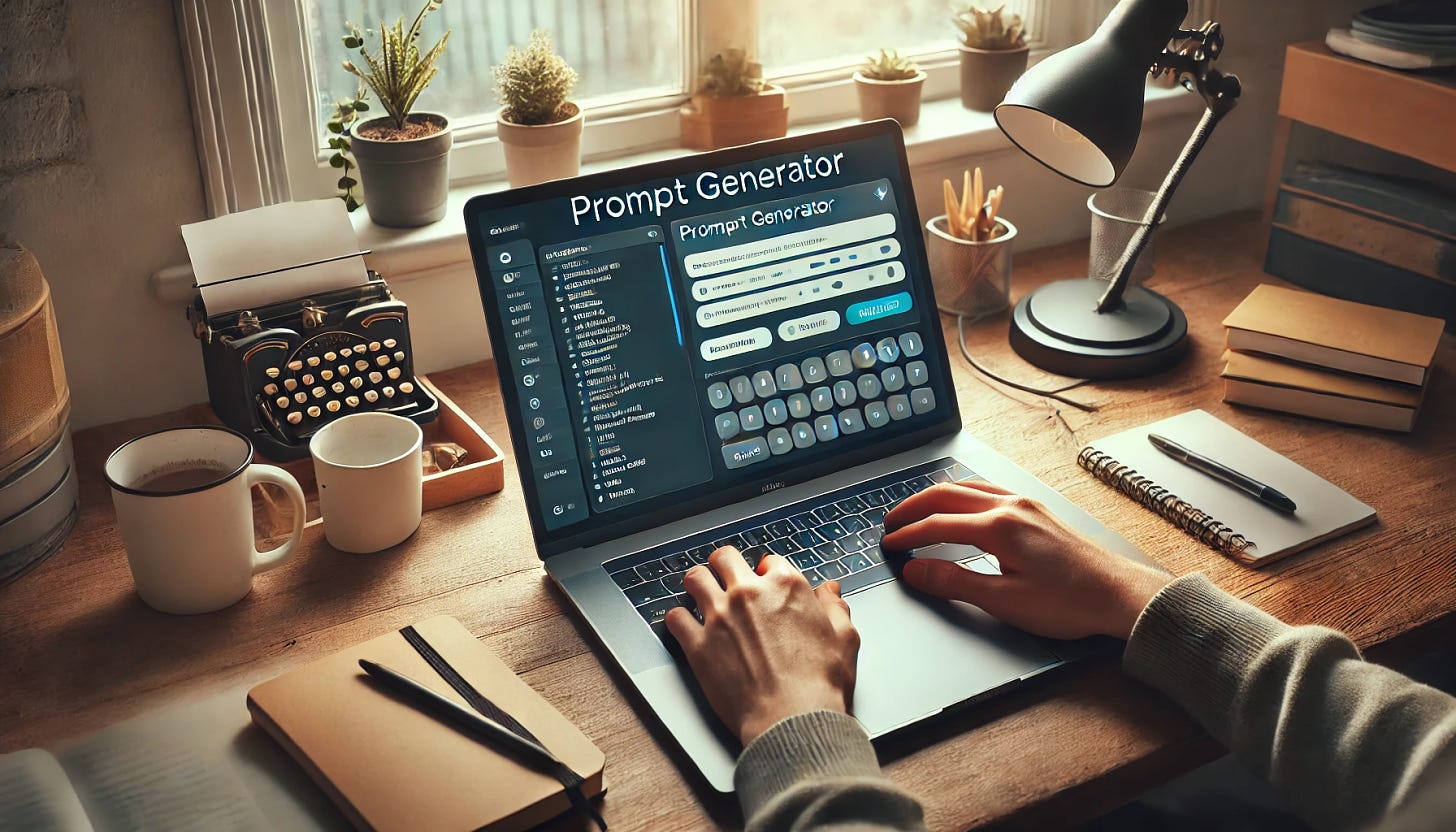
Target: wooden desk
79	650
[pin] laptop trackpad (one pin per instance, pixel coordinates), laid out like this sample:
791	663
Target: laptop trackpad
921	654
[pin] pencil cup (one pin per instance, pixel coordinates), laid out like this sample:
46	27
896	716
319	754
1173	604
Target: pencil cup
971	278
1118	212
370	480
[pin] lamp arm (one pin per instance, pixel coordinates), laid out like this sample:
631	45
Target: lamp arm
1112	298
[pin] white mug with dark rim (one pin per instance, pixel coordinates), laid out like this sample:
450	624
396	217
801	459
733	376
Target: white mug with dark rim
184	506
370	480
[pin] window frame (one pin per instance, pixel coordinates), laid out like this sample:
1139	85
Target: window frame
258	52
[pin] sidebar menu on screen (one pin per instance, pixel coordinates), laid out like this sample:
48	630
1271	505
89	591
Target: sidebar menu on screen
627	377
525	315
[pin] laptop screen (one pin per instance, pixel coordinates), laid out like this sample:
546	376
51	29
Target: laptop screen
684	334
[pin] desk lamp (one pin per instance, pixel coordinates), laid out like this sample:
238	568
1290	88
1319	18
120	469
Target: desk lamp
1079	113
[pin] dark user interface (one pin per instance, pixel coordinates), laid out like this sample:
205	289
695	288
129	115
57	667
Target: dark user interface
674	337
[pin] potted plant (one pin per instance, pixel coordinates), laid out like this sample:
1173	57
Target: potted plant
404	157
733	105
993	55
539	129
889	86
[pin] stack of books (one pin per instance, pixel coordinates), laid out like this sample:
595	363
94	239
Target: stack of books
1327	358
1366	237
1408	34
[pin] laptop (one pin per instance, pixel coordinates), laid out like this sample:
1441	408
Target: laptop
743	347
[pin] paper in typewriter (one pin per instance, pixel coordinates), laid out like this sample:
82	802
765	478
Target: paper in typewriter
274	243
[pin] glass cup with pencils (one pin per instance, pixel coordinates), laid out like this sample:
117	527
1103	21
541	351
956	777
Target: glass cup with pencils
969	248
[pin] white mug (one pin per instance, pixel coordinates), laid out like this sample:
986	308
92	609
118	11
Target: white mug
369	480
184	506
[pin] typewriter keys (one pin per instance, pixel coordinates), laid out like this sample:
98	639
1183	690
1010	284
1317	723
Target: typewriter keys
324	378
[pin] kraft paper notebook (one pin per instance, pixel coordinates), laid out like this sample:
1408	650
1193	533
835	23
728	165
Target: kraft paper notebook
1217	514
390	766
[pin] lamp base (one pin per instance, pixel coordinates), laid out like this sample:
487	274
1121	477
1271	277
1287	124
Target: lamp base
1058	329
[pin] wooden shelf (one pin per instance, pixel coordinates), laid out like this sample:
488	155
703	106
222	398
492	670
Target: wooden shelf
1404	112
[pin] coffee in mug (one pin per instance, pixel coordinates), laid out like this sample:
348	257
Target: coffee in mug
184	507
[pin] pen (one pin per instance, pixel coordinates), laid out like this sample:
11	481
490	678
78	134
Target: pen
467	721
1265	494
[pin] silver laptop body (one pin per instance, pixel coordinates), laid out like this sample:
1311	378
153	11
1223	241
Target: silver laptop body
743	346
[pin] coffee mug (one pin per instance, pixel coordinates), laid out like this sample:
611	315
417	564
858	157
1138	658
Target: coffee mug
369	480
184	506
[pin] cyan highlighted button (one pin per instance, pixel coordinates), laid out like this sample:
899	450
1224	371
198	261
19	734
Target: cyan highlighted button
870	310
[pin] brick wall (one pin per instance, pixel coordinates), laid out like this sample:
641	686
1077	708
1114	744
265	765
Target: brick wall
42	121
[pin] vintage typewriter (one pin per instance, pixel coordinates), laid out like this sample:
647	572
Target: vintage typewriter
278	371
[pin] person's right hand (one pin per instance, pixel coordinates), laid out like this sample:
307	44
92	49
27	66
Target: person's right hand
1053	582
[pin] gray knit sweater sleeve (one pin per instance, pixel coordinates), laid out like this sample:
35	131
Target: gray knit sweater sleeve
1344	741
818	771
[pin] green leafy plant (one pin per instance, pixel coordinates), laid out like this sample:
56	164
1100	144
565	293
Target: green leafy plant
340	127
993	30
399	72
731	73
889	65
533	84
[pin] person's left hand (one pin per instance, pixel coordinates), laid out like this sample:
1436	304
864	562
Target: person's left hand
769	646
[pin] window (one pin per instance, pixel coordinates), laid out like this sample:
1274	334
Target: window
605	40
843	37
263	73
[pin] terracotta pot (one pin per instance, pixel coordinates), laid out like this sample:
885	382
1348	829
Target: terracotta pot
541	152
899	100
406	181
711	121
986	75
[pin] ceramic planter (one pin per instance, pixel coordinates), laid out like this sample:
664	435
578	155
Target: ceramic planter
541	152
986	75
711	121
405	181
899	100
971	278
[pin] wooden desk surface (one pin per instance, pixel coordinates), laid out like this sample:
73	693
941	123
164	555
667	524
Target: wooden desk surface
79	650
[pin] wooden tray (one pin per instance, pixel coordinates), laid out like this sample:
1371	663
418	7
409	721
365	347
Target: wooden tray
483	472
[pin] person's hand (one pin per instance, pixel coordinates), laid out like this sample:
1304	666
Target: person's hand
769	646
1053	581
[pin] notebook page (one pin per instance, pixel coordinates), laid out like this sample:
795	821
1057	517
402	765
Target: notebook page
199	765
36	795
1325	510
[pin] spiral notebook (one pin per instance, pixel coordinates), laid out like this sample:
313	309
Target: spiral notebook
1217	514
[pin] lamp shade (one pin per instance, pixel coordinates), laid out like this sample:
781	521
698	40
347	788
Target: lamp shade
1080	110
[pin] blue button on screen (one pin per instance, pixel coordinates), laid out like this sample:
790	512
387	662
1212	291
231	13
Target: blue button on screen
870	310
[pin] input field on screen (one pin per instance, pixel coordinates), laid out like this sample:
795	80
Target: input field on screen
760	252
798	294
728	285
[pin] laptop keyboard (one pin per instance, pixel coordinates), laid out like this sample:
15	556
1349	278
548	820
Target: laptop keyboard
833	537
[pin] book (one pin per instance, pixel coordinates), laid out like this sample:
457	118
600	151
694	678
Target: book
1420	251
390	766
1395	199
1328	270
1259	381
1338	334
195	765
1344	42
1218	514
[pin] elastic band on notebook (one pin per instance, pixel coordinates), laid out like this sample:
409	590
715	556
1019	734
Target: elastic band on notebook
570	780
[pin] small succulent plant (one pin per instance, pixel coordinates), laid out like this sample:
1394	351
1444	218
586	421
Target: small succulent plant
731	73
992	30
340	124
889	65
533	84
399	72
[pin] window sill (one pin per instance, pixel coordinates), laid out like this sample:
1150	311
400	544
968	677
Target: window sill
946	131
